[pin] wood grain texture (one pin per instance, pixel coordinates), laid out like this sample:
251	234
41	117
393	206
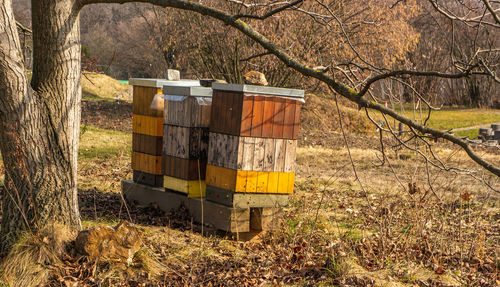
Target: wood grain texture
257	116
193	188
265	218
252	154
188	113
252	115
147	144
147	178
188	169
146	163
146	125
184	142
245	200
142	98
250	181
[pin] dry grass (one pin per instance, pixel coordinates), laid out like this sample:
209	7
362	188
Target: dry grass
335	233
34	259
101	87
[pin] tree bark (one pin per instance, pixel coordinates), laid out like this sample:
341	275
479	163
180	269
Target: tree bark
39	124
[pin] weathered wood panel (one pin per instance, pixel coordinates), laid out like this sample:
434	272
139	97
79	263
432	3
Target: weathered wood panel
252	154
193	188
183	142
190	112
142	98
265	218
245	200
146	163
148	179
188	169
147	144
147	125
249	181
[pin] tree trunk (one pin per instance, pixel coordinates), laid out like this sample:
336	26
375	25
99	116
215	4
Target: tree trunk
39	125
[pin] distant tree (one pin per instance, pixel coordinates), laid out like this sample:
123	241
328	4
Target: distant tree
39	122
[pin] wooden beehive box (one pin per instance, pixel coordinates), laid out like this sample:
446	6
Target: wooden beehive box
252	146
147	127
185	140
256	111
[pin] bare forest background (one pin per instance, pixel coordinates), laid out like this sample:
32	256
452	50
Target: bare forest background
140	40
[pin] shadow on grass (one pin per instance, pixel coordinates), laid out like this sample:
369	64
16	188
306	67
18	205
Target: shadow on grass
97	207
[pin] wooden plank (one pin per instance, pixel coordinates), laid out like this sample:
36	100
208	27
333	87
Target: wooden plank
279	155
246	116
251	178
257	116
193	188
259	155
290	153
268	117
245	200
224	218
188	169
147	125
247	181
269	154
221	177
214	114
272	182
296	125
248	144
279	117
265	218
147	144
289	118
147	178
146	163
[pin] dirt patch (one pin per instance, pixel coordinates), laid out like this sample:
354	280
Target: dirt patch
111	115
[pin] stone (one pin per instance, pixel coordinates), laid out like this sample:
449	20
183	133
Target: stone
255	78
208	82
173	75
110	244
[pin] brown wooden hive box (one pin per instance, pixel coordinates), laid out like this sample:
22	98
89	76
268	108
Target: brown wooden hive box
185	138
256	111
147	137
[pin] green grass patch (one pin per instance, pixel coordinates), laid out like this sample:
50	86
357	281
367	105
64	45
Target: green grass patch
99	143
446	119
471	134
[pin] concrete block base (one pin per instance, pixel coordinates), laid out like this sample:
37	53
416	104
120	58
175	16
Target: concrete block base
244	222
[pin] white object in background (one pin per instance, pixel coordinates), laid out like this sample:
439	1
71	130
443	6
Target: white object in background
158	103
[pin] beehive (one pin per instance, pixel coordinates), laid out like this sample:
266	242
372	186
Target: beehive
185	144
253	140
147	128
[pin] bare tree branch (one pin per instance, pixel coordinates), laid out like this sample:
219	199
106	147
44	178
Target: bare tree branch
338	87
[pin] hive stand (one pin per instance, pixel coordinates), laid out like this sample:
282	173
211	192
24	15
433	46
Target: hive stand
238	221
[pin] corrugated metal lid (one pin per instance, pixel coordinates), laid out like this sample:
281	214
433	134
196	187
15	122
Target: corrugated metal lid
187	91
285	92
159	83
